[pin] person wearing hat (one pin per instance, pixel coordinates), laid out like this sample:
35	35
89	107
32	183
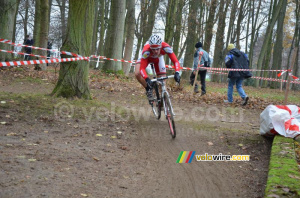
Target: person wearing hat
205	62
236	59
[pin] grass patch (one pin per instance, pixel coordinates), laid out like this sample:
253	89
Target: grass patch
30	80
284	176
35	106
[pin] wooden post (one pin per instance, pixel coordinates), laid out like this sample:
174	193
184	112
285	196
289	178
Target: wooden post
196	75
289	77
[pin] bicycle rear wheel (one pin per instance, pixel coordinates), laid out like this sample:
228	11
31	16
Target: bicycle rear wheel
156	107
169	116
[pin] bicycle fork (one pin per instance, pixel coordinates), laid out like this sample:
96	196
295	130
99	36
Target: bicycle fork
170	106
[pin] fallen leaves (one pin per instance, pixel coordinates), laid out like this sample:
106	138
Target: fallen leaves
96	159
11	134
294	177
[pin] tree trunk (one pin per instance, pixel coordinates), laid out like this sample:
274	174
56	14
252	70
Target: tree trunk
266	63
218	53
15	26
239	23
296	43
210	25
170	24
254	22
25	20
114	38
73	76
95	30
130	20
150	15
100	50
170	20
248	26
191	36
270	27
41	29
62	8
178	27
7	15
145	22
277	55
44	32
200	22
37	29
231	21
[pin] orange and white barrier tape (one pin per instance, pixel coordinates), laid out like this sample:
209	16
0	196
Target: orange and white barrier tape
7	51
230	69
39	48
213	70
36	62
112	59
261	78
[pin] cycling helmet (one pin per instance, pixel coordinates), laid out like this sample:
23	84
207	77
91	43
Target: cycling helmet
155	41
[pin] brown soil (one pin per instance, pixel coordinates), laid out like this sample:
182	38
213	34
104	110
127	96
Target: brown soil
56	156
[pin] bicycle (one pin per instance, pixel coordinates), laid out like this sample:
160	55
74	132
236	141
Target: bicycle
162	100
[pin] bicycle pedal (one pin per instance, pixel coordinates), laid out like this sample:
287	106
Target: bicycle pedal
151	103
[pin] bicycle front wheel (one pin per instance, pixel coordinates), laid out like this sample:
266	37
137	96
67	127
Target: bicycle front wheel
169	115
156	107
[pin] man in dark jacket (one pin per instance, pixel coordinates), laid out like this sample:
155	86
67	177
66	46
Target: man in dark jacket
205	61
28	41
236	59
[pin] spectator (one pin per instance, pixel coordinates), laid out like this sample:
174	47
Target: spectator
49	46
28	41
205	61
236	59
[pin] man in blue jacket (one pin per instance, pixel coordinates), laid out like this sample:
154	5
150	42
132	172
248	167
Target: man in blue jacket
205	61
236	59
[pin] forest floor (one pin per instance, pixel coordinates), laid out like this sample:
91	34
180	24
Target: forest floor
112	146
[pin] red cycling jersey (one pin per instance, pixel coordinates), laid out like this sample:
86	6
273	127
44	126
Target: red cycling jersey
158	61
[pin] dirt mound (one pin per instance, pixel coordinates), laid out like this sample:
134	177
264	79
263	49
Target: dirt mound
113	147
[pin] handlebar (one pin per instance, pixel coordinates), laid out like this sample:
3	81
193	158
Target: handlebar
162	78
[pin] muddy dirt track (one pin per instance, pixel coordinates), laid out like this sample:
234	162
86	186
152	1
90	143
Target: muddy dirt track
128	153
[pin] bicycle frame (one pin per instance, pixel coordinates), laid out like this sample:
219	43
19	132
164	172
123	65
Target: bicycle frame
164	92
163	99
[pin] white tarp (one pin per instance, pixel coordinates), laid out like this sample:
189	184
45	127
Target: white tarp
279	119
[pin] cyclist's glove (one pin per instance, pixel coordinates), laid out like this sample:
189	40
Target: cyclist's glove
149	84
177	77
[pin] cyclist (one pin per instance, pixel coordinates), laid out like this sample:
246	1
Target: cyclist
153	52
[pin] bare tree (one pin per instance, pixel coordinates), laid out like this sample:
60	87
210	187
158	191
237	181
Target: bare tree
277	52
191	36
63	18
100	49
219	46
145	22
73	76
270	27
129	36
231	22
239	23
210	25
8	11
114	39
178	28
